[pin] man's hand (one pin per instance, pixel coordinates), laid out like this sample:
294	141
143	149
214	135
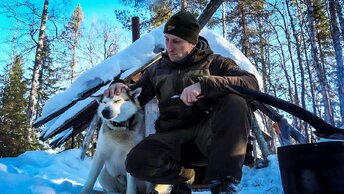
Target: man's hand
191	94
115	88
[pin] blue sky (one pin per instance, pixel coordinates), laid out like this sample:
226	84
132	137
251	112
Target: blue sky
94	10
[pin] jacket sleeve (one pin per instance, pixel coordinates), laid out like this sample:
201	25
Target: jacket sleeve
148	91
224	72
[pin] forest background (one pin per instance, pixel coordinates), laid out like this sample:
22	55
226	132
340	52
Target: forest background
296	45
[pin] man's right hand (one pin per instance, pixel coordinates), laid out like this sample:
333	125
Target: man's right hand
115	88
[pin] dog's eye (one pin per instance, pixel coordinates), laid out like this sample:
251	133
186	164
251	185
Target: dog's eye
117	100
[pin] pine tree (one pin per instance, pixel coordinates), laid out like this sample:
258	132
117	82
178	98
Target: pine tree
249	30
47	80
72	34
336	11
13	131
160	12
319	30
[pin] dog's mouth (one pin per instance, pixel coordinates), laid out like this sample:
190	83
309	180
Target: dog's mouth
117	120
126	123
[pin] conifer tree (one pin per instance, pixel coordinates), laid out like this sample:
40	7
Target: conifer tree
320	44
48	78
160	12
13	131
72	34
336	11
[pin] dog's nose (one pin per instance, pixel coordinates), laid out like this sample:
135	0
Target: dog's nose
106	113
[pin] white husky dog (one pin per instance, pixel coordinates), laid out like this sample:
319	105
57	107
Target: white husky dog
121	129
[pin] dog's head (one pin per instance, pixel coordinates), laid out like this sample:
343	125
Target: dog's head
120	108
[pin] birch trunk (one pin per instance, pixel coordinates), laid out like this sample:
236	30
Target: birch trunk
340	17
224	29
296	92
299	53
293	95
36	69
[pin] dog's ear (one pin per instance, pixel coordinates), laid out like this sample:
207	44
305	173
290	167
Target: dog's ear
134	94
98	98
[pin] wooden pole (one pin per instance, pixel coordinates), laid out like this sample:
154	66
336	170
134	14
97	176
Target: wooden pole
135	28
208	12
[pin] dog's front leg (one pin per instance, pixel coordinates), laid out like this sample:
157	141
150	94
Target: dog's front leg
97	165
131	184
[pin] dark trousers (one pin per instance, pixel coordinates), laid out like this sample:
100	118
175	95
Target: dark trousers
219	140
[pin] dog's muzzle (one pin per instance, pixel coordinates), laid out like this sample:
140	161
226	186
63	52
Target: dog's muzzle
106	113
125	124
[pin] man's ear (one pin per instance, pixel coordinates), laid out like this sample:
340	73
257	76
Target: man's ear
98	98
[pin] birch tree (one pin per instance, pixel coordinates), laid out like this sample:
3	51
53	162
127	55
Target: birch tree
100	42
31	23
37	65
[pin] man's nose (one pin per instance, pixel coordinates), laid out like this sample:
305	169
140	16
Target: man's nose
169	46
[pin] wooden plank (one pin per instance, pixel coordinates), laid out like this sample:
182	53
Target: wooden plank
91	91
142	68
85	114
85	95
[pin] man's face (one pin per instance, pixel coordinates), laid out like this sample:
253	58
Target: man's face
177	48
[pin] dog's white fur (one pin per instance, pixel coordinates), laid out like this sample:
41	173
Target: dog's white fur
114	143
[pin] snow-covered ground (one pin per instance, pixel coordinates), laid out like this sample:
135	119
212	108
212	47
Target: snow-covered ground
39	172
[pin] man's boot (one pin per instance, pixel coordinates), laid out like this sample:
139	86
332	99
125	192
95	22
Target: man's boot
226	185
184	188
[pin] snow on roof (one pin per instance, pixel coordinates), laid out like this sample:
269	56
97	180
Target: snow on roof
127	60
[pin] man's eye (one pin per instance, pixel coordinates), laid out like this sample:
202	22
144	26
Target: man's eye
117	101
176	41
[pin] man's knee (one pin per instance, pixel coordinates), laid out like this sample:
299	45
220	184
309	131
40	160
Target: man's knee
231	115
132	162
146	158
232	103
